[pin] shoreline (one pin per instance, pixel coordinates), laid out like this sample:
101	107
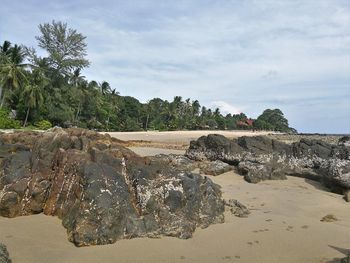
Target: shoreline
284	226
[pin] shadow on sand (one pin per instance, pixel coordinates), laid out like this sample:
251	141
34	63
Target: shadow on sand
344	251
317	185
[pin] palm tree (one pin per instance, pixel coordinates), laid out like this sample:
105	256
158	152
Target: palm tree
82	93
79	91
105	88
76	78
32	93
93	85
4	59
5	51
114	96
93	100
196	108
12	70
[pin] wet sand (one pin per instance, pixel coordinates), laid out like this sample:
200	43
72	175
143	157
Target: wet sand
284	226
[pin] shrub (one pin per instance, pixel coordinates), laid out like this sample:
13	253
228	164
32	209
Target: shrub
6	122
43	125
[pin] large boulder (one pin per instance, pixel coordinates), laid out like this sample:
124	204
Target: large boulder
101	190
262	158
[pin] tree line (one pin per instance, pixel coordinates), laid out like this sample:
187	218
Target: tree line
39	92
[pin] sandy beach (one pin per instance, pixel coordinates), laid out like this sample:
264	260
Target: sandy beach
179	140
284	225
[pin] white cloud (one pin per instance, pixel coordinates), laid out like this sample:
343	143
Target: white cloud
256	53
225	108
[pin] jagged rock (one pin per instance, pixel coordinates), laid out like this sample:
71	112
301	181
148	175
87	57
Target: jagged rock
4	254
101	190
261	158
237	208
255	171
214	168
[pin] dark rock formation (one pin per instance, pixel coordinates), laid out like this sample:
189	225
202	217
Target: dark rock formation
4	254
261	158
101	190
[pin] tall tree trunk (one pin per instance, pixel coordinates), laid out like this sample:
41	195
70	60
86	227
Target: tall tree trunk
1	88
77	115
2	100
25	121
147	121
108	121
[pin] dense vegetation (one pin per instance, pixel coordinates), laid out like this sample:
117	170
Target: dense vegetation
44	91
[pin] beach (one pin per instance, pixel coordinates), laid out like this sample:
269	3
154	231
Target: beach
177	140
284	225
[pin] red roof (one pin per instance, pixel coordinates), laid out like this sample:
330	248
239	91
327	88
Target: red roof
249	122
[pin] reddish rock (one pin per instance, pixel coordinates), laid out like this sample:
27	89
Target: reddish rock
101	190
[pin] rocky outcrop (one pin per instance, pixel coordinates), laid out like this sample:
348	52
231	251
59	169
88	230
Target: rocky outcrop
261	158
183	163
4	254
102	191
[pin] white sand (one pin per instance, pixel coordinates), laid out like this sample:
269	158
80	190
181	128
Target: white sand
178	138
284	227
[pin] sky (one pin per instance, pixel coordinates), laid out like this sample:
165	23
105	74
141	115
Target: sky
238	55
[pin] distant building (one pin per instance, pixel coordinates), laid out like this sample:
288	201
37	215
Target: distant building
247	123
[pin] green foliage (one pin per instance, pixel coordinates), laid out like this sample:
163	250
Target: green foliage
65	46
43	125
53	91
131	125
273	120
13	75
6	122
212	124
